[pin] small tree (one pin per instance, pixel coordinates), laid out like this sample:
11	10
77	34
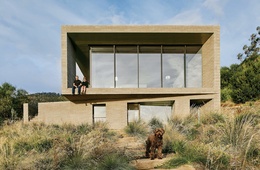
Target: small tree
11	101
253	49
245	81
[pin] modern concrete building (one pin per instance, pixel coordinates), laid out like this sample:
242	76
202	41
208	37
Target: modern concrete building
137	72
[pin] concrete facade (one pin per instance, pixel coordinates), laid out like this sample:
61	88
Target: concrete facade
25	113
76	42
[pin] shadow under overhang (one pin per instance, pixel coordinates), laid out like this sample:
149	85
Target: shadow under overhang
84	40
93	98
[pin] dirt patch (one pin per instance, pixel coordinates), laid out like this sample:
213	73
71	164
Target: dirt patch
135	147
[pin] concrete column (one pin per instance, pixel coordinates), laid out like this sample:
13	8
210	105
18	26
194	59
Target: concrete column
182	106
25	113
116	114
71	64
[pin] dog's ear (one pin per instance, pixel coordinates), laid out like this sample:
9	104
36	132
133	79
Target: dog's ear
163	131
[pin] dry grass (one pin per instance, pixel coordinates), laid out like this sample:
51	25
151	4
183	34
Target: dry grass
227	140
39	146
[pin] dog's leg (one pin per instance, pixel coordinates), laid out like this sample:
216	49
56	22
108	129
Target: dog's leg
160	156
152	152
148	145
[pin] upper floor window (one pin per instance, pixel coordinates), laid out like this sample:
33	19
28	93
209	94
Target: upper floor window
102	64
193	66
146	66
150	66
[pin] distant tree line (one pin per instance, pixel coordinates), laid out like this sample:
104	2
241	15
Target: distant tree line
241	82
12	100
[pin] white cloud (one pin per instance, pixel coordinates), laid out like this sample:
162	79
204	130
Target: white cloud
190	17
215	5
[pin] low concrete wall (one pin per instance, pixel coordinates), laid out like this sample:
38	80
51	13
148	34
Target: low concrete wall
116	111
64	112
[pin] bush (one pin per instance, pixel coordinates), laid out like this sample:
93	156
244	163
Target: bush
115	161
188	153
171	139
226	94
238	130
175	162
136	128
77	162
246	81
212	118
155	123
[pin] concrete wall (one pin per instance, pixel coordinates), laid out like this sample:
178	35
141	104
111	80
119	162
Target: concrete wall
116	114
182	106
116	111
64	112
211	67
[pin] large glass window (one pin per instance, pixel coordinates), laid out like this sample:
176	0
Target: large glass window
163	113
146	66
173	66
150	66
133	113
149	110
102	67
126	67
193	66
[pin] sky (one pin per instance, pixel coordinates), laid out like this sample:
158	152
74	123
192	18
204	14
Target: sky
30	30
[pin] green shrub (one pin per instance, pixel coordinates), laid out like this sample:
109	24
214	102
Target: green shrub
43	163
179	146
192	133
76	162
155	123
136	128
31	143
246	80
175	162
188	153
238	131
83	129
253	154
217	158
212	118
43	145
114	161
226	94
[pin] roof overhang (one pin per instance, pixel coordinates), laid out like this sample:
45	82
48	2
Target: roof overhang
84	40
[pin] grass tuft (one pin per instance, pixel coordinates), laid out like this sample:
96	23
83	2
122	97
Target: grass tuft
136	128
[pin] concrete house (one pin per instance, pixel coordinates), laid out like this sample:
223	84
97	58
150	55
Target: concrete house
137	72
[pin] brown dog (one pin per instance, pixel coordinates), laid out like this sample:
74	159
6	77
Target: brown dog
155	141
